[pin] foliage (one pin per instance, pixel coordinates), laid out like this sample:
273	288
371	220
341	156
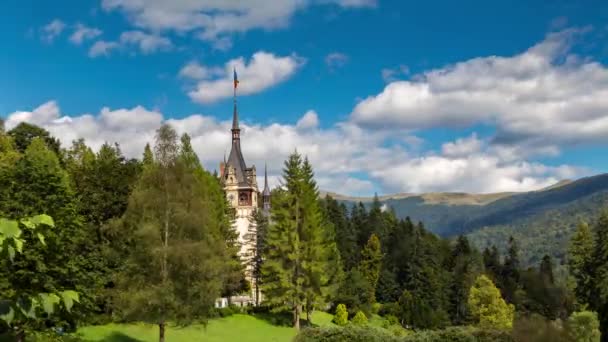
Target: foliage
359	319
584	326
176	267
350	333
370	265
580	261
300	260
341	316
37	183
353	293
488	307
24	133
23	306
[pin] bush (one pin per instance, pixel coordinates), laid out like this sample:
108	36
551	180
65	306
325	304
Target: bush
368	333
350	333
460	334
359	319
341	316
584	327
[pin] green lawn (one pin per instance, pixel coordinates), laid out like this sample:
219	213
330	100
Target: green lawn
237	328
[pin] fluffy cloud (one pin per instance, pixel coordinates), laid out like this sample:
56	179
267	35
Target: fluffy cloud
146	43
213	20
393	74
543	96
263	71
51	30
83	32
193	70
102	48
347	158
336	60
310	119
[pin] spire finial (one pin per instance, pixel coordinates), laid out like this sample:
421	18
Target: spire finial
235	114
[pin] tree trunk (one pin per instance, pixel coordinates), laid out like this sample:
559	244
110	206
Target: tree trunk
296	316
161	331
20	335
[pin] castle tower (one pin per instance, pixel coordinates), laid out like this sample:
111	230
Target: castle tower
241	188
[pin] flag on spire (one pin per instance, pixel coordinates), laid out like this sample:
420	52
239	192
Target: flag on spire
236	80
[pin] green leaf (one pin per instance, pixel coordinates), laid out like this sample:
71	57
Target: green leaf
69	297
28	224
48	301
11	253
43	219
9	228
18	245
41	238
28	306
7	314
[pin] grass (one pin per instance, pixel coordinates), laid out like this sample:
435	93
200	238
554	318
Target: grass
237	328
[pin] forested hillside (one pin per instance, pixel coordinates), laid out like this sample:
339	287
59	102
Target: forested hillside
542	220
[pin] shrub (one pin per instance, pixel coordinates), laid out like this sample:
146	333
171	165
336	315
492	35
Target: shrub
341	316
537	328
359	319
350	333
584	327
460	334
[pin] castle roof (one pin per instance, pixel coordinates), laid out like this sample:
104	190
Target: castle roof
235	159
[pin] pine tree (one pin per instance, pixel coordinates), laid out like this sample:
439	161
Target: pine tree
341	316
255	240
176	267
599	294
148	157
510	272
546	270
466	267
580	261
296	271
371	264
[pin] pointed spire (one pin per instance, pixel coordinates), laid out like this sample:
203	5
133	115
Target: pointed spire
235	117
235	114
266	191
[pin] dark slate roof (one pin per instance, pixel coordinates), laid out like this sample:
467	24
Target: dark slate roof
266	191
235	159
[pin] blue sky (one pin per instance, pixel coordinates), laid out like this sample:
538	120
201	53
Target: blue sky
440	96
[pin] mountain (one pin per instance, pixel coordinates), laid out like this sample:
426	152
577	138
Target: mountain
542	221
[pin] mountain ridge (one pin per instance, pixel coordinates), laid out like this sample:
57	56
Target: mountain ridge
543	220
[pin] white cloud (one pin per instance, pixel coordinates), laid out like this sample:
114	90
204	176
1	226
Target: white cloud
194	70
393	74
102	48
462	147
477	173
82	33
146	42
51	30
336	60
310	119
263	71
543	96
342	155
213	20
